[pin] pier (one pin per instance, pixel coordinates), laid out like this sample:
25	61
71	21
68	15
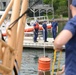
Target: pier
29	43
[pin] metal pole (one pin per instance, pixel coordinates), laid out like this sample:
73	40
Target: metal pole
39	12
69	12
34	14
53	8
44	41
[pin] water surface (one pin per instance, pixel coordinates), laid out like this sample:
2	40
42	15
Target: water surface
29	65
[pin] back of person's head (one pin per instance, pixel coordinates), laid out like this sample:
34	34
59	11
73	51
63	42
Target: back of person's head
37	21
73	8
74	3
52	18
45	21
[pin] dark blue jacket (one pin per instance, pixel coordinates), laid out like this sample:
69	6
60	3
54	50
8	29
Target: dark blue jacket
54	25
70	48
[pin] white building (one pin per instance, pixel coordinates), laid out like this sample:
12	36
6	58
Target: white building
3	4
38	8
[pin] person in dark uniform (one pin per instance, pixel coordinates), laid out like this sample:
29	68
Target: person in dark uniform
54	29
67	37
36	29
44	25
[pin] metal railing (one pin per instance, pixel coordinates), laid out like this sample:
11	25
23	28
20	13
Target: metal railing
39	18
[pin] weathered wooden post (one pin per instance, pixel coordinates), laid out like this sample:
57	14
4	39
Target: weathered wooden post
69	12
12	37
15	14
20	32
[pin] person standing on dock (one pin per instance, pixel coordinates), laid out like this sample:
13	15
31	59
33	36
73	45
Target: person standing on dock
54	28
67	37
36	29
44	25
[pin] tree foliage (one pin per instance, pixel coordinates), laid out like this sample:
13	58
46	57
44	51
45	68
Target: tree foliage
60	6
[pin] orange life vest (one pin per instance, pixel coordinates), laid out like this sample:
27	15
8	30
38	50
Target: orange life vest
36	26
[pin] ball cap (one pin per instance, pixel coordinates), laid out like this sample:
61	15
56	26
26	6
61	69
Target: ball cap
74	3
45	21
52	18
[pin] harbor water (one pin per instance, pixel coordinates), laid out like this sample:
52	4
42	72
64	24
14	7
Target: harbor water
29	65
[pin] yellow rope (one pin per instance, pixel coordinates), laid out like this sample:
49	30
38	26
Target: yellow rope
54	60
59	61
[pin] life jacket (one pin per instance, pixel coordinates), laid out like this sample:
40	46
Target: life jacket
36	26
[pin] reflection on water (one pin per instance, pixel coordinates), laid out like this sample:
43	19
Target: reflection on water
29	65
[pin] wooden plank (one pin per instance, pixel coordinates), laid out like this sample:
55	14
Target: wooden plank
6	45
6	57
8	60
4	69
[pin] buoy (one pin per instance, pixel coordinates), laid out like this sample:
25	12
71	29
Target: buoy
44	66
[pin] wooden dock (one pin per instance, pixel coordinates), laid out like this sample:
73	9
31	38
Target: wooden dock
29	43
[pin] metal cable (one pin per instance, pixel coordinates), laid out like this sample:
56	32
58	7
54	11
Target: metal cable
13	23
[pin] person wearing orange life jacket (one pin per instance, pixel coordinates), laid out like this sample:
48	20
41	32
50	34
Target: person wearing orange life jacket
36	29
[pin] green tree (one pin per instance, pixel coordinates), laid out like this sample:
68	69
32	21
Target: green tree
47	1
60	6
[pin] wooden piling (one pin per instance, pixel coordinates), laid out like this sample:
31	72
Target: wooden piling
20	32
